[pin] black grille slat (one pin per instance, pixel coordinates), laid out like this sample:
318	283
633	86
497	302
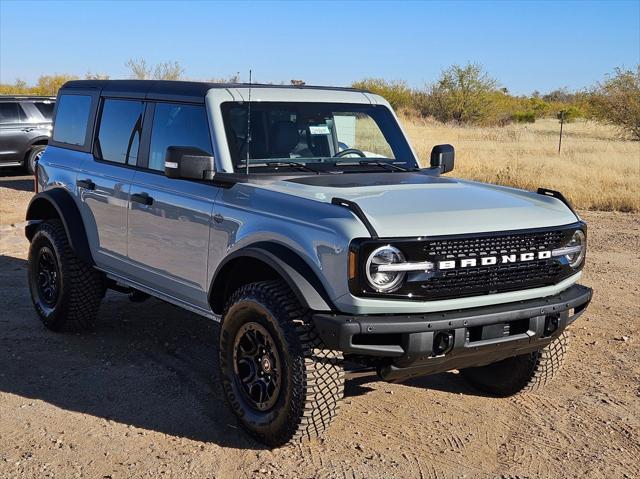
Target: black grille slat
490	279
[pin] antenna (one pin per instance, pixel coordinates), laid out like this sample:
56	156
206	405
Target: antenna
248	127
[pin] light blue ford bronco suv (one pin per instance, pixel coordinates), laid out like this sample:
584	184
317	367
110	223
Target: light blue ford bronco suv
301	220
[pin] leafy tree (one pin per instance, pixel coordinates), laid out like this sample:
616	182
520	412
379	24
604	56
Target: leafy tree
560	95
617	101
463	94
20	87
48	85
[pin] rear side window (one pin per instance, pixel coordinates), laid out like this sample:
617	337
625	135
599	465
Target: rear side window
118	136
177	125
45	108
11	113
71	119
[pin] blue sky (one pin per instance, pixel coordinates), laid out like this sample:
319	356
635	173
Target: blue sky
525	45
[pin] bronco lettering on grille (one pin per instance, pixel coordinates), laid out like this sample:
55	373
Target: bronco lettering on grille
493	260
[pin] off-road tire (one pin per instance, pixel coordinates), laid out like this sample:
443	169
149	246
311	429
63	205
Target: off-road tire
519	374
81	287
32	156
312	376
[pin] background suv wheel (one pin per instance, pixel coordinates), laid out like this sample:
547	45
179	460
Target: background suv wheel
34	155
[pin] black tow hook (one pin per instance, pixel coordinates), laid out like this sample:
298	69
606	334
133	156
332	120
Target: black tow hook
551	324
442	343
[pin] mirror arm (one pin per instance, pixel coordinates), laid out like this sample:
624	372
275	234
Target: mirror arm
228	180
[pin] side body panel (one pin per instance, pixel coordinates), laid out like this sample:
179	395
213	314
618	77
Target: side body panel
104	211
169	239
58	168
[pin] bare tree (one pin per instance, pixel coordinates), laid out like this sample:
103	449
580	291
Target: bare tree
141	70
230	79
168	71
96	76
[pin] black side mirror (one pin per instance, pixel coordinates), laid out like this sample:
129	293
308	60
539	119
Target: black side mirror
188	163
443	157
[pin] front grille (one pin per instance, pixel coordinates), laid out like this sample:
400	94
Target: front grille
497	278
477	280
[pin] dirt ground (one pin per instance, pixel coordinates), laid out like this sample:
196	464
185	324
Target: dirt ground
139	397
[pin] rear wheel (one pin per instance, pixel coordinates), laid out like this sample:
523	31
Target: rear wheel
519	374
278	378
65	291
34	155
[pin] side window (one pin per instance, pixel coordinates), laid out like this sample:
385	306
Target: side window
118	136
177	125
45	108
71	119
11	113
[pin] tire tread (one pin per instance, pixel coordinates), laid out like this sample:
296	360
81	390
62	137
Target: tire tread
319	383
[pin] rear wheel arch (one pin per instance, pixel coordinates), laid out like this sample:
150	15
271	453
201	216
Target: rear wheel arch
59	204
267	261
42	141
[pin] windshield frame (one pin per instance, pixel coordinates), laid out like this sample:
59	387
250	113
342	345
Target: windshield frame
383	117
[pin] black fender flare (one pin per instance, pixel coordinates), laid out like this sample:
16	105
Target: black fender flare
57	202
39	141
288	264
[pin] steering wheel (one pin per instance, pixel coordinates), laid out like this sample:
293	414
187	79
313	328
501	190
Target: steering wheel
350	151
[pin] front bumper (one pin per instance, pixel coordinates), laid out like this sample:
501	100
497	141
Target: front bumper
420	344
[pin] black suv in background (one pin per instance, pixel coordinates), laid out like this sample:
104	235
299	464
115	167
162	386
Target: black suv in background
25	128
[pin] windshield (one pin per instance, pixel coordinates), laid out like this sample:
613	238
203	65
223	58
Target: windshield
299	134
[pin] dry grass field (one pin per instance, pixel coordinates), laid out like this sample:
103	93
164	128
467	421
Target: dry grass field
596	169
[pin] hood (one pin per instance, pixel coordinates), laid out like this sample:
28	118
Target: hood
408	204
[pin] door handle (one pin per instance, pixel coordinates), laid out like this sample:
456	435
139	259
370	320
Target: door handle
142	198
218	218
86	184
28	129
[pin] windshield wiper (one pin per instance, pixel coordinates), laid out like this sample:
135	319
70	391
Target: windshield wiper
293	164
384	164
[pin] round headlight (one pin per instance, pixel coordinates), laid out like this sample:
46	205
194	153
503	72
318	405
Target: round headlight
384	281
577	240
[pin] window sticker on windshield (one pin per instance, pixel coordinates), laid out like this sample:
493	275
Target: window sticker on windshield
319	130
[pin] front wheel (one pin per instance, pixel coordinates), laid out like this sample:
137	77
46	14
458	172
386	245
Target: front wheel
524	373
278	378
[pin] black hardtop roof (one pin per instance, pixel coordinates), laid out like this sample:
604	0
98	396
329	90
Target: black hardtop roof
167	89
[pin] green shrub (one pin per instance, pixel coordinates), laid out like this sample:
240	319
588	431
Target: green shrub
397	93
617	101
571	114
524	117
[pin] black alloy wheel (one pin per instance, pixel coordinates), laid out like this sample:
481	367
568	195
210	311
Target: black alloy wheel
257	366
